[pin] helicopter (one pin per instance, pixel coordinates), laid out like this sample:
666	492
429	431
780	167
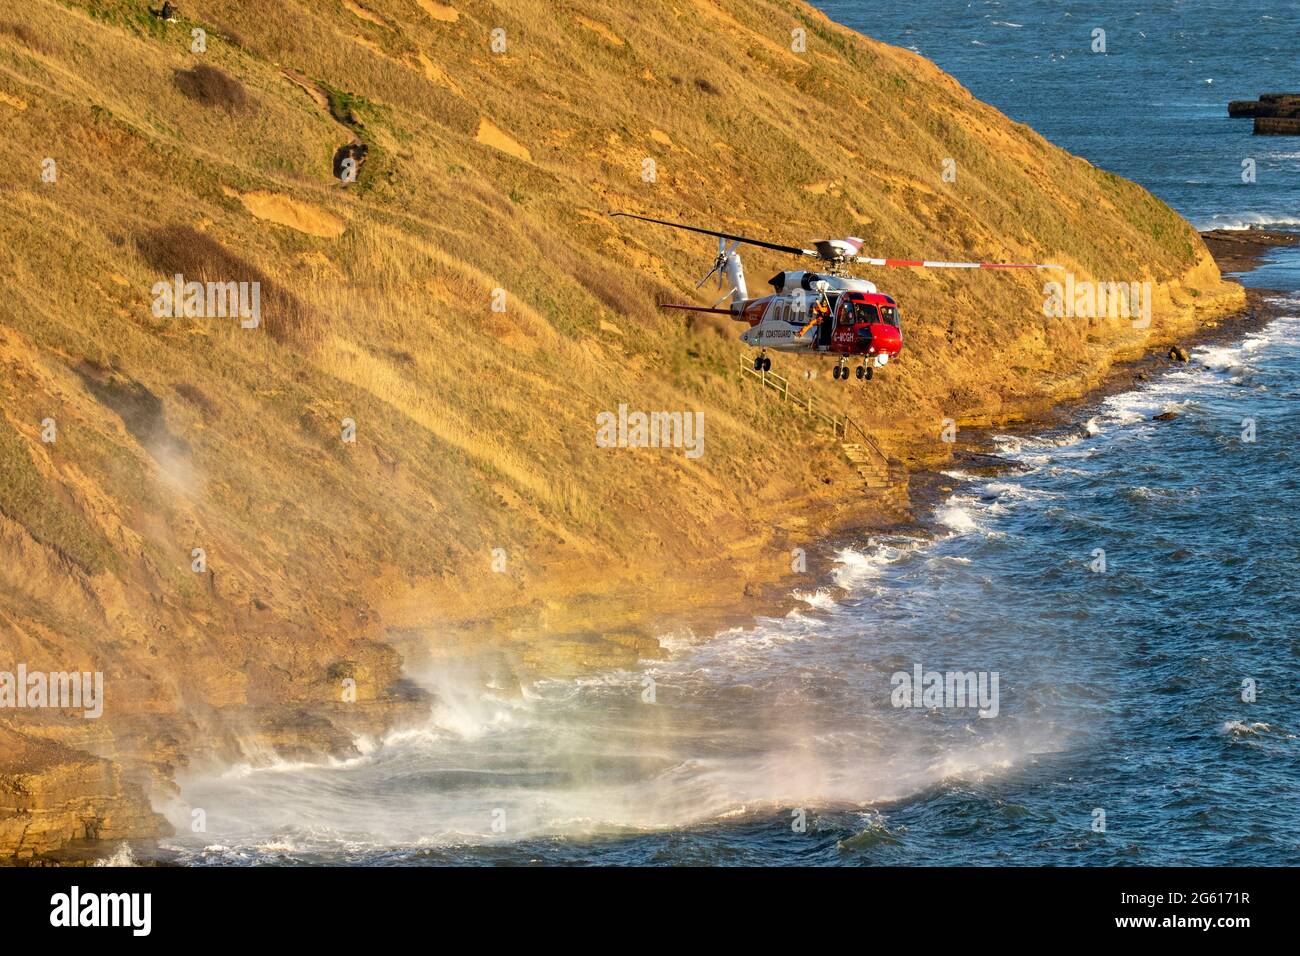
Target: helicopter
828	312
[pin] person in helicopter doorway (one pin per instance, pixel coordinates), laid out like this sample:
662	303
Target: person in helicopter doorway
821	310
818	317
821	318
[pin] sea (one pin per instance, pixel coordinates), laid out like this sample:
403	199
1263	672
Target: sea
1085	656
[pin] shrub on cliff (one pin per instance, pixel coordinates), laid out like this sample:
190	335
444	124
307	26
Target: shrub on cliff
211	87
198	257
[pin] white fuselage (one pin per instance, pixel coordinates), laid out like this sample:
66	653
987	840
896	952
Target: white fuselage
785	318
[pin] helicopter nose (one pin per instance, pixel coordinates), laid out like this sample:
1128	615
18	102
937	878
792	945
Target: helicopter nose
886	339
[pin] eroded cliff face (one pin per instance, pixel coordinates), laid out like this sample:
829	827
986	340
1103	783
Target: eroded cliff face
179	508
53	797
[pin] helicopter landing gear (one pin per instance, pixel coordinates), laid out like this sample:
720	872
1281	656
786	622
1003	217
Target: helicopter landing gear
841	370
762	363
865	371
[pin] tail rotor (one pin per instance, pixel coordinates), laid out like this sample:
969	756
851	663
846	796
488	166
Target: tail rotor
719	264
726	267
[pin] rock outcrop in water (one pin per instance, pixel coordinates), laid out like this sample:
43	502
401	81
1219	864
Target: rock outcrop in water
1275	114
182	504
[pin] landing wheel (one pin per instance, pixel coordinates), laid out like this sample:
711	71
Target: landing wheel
861	372
870	371
758	363
767	365
835	373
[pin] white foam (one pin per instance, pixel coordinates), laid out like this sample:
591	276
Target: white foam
1014	491
1229	359
1244	728
1237	222
122	856
956	515
1019	448
277	846
274	764
820	600
855	568
675	642
1037	450
1130	408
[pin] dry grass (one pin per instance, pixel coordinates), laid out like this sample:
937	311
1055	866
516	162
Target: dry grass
26	497
196	397
183	250
24	35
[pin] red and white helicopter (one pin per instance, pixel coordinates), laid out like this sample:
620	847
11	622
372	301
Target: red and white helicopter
826	312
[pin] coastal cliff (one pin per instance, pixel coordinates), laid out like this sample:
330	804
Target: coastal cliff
257	534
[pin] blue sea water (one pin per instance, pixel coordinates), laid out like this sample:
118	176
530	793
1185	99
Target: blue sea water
1152	108
1124	693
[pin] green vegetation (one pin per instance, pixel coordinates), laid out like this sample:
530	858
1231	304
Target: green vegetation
346	107
27	498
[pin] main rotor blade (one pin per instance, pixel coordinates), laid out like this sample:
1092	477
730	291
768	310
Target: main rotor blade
696	308
793	250
930	264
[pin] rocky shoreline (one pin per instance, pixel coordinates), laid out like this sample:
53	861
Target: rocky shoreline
1241	250
976	451
53	798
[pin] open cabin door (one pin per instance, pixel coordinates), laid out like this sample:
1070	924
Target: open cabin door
827	328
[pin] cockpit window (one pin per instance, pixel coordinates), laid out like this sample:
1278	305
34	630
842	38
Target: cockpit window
864	312
889	315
